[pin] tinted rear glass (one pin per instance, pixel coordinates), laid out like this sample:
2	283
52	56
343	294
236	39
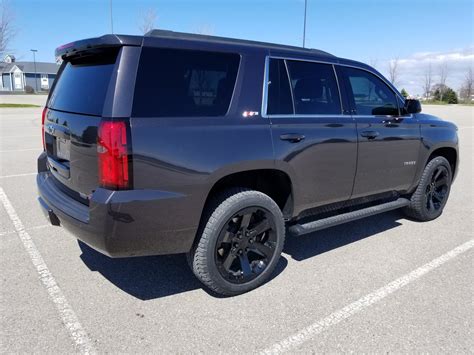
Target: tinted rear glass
280	101
83	83
172	82
315	89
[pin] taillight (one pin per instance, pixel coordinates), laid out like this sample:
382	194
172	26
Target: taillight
43	117
113	155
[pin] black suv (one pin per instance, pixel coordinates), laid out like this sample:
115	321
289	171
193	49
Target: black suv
218	148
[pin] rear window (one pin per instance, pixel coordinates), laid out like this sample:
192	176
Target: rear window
83	83
172	82
314	87
280	101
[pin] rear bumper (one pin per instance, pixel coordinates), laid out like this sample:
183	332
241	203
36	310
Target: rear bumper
119	223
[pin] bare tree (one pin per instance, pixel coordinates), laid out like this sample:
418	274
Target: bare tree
147	20
443	76
205	29
428	81
467	89
7	28
373	62
393	71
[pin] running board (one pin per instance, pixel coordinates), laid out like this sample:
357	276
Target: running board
300	229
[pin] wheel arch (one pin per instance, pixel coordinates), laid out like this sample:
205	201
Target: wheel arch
280	189
272	182
449	153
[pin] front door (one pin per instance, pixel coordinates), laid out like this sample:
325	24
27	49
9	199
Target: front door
312	139
17	81
389	142
44	82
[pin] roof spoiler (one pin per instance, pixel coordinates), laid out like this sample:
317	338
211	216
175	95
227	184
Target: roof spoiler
106	41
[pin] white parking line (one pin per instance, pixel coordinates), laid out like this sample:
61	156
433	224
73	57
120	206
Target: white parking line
16	175
28	229
68	317
321	325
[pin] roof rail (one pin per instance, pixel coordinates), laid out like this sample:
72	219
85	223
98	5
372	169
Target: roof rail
206	38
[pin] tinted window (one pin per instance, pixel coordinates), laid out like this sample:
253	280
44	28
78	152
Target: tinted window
173	82
279	92
370	94
314	87
83	83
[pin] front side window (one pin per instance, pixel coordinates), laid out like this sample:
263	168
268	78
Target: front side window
315	89
370	95
175	82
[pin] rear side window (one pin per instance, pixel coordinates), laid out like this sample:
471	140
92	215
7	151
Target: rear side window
279	91
315	89
83	83
370	95
173	82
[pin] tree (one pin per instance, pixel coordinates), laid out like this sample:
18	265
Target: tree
393	71
148	20
443	76
445	93
450	96
7	28
205	29
373	62
467	89
404	93
428	81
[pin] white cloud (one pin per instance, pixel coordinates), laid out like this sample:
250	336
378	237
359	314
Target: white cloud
412	69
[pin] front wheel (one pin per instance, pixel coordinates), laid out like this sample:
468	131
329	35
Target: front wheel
431	195
241	242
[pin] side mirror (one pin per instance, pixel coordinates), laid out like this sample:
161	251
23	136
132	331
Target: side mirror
412	106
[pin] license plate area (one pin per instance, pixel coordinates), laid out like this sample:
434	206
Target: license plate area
63	148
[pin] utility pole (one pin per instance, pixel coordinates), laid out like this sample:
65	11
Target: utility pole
304	26
34	61
111	18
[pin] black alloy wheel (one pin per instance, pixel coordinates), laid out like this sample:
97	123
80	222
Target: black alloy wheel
239	247
428	200
436	191
246	245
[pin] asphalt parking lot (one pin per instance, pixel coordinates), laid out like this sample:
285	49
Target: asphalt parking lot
383	284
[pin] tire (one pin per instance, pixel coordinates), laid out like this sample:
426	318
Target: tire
428	200
240	244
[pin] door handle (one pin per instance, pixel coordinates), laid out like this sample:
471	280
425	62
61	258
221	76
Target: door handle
369	134
292	137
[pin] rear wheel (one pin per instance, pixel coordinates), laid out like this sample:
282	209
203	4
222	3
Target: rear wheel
241	242
431	195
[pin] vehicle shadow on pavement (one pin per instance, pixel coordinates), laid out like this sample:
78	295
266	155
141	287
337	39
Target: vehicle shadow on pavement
310	245
150	277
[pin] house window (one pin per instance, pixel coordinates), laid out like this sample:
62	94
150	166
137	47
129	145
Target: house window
44	81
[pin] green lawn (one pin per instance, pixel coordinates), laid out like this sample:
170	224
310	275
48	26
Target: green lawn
18	105
461	103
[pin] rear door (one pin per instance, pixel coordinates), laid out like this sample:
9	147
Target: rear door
312	137
74	111
389	142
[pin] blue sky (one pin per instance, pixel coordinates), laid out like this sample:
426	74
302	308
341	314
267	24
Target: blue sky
367	30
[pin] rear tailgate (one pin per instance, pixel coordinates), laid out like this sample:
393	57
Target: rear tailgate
79	101
71	147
